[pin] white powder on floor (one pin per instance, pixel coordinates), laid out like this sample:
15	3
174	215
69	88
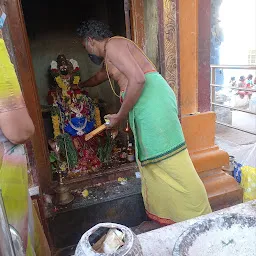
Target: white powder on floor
236	241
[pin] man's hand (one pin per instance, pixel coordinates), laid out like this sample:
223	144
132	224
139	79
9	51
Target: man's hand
114	120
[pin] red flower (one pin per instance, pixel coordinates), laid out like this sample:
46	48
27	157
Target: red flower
77	91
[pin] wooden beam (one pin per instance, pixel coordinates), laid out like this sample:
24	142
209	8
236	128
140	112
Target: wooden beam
127	8
28	85
168	43
137	23
188	56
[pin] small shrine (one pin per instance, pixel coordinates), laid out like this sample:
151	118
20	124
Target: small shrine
50	60
74	114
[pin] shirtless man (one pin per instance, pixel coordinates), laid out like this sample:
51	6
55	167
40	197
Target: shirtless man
171	188
126	66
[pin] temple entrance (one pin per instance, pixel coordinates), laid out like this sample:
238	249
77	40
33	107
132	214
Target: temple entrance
67	118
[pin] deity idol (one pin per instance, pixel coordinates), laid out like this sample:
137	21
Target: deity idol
73	113
77	109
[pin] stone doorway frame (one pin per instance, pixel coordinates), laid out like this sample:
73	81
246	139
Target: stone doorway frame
18	38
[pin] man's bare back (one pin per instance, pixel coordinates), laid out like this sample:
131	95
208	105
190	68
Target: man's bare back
126	64
136	53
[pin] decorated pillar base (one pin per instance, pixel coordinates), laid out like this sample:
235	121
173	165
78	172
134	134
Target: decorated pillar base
222	189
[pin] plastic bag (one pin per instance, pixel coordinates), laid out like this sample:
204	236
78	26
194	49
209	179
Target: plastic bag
248	181
252	103
237	171
239	102
131	245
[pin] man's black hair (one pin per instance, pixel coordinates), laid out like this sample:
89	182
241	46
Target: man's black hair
94	29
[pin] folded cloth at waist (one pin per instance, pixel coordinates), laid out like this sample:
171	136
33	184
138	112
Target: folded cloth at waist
154	121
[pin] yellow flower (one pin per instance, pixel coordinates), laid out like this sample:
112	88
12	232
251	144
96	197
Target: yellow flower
97	117
60	83
56	125
63	166
120	179
85	193
76	80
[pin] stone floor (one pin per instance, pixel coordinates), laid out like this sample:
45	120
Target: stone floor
162	241
234	142
145	226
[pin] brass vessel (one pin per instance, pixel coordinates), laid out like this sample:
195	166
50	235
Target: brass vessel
63	196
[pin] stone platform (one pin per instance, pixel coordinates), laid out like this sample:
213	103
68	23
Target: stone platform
161	241
110	202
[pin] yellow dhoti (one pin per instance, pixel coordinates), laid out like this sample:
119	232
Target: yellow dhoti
172	190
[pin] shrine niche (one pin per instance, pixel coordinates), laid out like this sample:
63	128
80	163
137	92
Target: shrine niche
58	61
74	114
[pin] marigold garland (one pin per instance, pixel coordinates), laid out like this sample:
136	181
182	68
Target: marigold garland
76	80
97	117
55	121
60	83
56	126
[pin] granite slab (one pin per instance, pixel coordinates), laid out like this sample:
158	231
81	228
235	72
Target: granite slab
162	241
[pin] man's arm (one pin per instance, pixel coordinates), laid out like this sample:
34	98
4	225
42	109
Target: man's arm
98	78
120	56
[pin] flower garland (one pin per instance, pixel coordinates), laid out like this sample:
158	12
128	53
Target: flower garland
76	110
66	145
55	121
97	114
97	117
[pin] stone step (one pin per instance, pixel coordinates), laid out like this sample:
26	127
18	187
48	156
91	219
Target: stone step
222	189
145	226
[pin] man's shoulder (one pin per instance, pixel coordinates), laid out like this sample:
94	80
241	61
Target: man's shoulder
116	42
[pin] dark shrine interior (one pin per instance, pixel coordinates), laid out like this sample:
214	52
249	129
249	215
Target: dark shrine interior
51	28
